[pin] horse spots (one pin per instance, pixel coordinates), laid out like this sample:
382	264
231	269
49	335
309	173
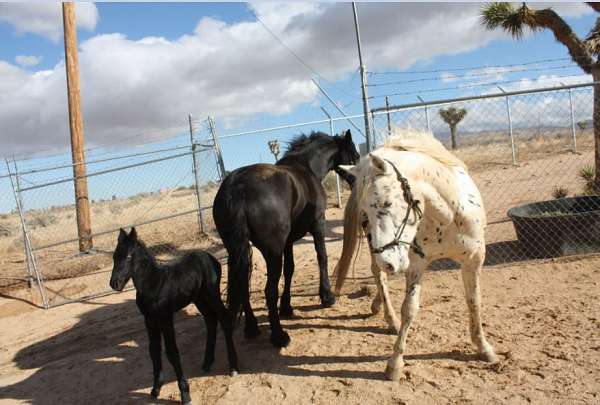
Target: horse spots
425	239
387	204
381	214
440	240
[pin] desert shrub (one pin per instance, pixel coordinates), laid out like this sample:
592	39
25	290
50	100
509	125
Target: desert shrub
42	220
587	174
560	192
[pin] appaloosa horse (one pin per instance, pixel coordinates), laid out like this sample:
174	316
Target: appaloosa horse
416	202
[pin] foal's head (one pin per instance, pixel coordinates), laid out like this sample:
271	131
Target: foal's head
393	215
123	265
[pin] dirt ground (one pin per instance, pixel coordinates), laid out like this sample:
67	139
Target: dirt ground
542	317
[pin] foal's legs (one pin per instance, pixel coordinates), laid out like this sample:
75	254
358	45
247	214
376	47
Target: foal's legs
279	337
471	270
318	233
410	307
173	356
383	294
155	349
285	306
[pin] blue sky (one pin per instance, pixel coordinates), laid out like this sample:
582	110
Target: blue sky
145	66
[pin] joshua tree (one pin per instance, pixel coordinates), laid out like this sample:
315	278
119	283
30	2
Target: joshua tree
452	116
274	147
584	52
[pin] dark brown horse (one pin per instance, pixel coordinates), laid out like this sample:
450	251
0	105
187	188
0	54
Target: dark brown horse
273	206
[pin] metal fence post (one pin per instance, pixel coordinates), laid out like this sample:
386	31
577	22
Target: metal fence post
213	131
27	242
426	114
574	134
338	192
197	180
510	129
389	120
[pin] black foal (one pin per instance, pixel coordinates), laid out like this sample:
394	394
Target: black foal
165	289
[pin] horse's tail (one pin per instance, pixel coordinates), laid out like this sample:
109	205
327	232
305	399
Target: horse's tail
230	219
351	235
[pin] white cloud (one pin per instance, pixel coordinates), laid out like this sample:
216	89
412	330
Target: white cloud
45	18
231	71
27	60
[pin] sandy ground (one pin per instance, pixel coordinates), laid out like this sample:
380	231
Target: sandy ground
542	317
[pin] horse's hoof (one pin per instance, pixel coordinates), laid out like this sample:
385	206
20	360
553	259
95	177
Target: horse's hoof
155	392
233	373
251	332
286	312
281	339
393	374
394	329
489	357
327	299
185	398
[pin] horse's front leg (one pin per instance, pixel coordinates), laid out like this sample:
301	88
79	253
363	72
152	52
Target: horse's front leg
154	347
471	270
285	307
173	356
318	233
384	295
410	307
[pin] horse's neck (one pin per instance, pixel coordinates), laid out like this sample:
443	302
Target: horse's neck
317	159
146	272
438	187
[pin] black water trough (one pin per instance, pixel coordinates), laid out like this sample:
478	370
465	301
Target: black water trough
558	227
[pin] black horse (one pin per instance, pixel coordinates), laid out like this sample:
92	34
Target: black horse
273	206
165	289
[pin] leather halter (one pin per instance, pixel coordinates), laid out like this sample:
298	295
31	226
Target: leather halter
413	205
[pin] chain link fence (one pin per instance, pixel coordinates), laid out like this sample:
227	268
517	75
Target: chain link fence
156	190
521	148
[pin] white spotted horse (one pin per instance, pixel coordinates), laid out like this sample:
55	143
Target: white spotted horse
415	202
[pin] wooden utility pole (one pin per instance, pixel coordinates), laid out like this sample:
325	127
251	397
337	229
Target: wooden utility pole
82	204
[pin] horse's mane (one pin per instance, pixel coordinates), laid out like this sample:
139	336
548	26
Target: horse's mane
422	142
301	141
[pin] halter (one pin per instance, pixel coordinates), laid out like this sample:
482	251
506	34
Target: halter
413	205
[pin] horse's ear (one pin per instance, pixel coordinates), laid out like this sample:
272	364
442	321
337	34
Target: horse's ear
133	234
348	136
378	164
122	235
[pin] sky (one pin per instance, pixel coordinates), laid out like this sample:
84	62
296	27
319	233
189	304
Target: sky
146	66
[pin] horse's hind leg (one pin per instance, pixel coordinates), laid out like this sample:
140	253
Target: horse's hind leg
155	354
279	337
250	323
173	356
471	270
210	319
410	307
384	295
285	306
213	301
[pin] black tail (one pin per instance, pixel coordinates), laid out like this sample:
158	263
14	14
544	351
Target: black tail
230	219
